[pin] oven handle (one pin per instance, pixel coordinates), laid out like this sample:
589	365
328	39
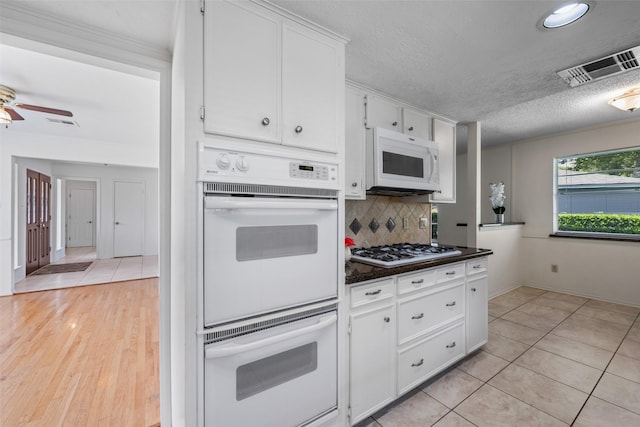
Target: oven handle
224	203
233	349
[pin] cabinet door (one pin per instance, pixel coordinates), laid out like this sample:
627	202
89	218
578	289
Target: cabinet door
416	123
241	72
372	369
382	113
313	88
477	307
355	135
444	134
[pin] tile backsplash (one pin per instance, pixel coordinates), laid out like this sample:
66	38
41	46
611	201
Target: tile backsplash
385	215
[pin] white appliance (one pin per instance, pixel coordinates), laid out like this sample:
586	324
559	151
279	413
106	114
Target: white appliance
280	376
400	165
267	287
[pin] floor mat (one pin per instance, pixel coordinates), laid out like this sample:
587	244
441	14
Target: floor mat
62	268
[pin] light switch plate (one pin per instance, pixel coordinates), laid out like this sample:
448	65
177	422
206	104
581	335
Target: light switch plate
424	222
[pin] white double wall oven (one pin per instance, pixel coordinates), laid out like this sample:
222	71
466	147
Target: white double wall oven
268	289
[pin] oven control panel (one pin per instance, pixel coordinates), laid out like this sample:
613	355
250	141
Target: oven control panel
264	166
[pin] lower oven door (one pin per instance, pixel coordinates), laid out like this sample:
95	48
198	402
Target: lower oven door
282	376
267	254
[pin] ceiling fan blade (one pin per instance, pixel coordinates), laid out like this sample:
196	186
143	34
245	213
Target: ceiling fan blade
45	109
13	113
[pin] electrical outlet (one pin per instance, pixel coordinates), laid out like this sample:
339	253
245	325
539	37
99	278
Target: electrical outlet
424	222
554	268
405	223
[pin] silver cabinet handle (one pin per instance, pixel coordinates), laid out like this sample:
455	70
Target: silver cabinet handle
266	121
418	316
417	282
410	128
450	273
451	304
418	363
477	266
473	289
117	223
453	344
354	184
298	129
387	319
373	292
90	222
394	124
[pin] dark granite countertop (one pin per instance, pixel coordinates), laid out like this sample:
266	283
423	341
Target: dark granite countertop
357	272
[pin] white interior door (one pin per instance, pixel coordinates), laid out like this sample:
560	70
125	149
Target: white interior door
128	224
81	217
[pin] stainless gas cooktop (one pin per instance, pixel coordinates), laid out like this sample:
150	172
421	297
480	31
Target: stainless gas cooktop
401	254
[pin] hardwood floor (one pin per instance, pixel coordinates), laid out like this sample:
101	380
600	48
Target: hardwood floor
85	356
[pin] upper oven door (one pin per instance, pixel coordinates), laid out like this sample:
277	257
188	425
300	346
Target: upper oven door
265	254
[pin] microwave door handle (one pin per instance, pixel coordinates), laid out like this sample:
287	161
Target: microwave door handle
432	162
233	349
218	203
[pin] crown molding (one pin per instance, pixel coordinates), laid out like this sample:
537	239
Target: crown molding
21	21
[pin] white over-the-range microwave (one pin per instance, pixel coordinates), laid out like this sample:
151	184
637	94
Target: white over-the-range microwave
400	165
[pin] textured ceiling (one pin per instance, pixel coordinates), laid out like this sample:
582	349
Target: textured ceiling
476	60
483	60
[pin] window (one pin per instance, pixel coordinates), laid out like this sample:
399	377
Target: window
598	194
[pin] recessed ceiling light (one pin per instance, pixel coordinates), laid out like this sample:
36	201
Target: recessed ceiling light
566	14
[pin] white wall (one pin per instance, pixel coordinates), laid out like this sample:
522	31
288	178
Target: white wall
606	270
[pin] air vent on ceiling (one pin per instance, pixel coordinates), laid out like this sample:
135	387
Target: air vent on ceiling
600	68
63	122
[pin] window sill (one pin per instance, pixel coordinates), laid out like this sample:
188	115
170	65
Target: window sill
596	236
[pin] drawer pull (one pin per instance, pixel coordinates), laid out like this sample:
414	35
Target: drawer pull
387	319
418	364
418	316
477	266
473	289
450	273
451	304
417	282
373	292
453	344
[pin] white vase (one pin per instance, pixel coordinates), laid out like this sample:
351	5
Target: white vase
347	253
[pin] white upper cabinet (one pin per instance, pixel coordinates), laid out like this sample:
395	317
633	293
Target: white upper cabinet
416	123
444	133
268	78
312	81
241	72
383	113
354	142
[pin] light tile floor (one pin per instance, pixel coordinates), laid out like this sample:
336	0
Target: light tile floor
552	360
101	271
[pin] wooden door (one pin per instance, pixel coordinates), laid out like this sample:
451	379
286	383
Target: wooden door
38	236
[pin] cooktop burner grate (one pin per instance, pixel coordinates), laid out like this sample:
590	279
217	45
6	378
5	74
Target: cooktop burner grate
401	254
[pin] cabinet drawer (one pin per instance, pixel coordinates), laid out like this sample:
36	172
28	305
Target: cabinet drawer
478	265
423	314
416	281
450	272
422	360
372	292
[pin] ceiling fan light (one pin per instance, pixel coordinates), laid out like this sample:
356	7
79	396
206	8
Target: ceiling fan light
628	101
5	118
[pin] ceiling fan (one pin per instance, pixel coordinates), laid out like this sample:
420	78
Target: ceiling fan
8	106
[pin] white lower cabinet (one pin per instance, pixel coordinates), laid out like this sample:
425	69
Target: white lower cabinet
372	360
419	361
405	329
